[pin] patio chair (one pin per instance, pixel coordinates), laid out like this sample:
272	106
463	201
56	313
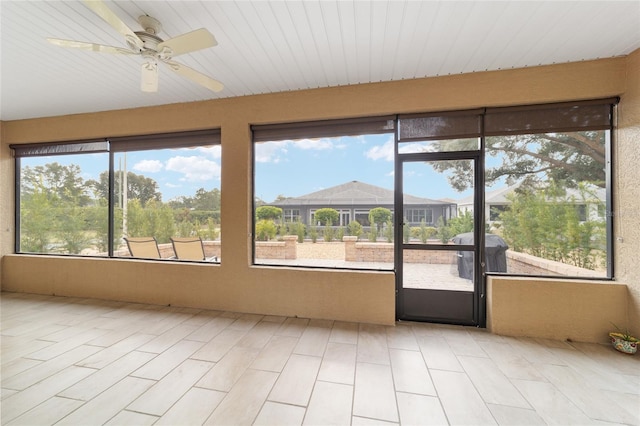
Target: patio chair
143	247
190	248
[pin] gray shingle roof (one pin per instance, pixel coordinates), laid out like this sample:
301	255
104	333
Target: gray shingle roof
354	193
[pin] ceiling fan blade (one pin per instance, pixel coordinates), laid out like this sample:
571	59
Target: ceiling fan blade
185	43
90	46
101	9
195	76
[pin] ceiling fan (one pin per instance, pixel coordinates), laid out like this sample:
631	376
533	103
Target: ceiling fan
151	47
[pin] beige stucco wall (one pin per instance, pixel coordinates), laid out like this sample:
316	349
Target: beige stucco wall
235	284
627	190
555	309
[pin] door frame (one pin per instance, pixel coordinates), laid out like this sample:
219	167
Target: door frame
435	299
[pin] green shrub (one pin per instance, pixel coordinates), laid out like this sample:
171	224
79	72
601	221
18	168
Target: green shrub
328	233
340	234
354	229
313	233
373	233
388	232
265	230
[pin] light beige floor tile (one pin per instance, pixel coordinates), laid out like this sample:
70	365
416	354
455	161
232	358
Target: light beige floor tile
629	402
295	383
461	402
597	405
246	322
167	339
202	318
513	416
314	339
339	363
219	345
228	370
363	421
550	403
273	413
437	353
112	337
330	404
128	418
534	352
401	337
193	408
461	343
277	319
259	336
18	366
610	359
344	332
420	410
109	403
6	393
162	364
410	373
66	345
107	355
21	402
491	383
372	344
14	348
424	329
293	327
374	395
162	395
511	362
162	320
47	413
243	403
106	377
275	355
48	368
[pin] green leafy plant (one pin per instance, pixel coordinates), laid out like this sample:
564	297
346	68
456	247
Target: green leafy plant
624	334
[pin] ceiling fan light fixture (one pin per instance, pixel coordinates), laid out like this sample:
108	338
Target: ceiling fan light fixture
149	76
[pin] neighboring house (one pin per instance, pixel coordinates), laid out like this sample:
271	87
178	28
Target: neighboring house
590	205
353	200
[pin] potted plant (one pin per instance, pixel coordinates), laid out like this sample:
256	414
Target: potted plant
623	341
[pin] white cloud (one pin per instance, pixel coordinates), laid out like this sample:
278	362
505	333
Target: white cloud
270	152
214	151
194	168
314	144
384	152
148	166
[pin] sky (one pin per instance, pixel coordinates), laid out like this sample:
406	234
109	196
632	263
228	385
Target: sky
289	168
298	168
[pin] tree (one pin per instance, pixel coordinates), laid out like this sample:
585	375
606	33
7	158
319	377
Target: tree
379	216
461	224
63	182
546	223
139	187
269	213
37	220
327	216
568	157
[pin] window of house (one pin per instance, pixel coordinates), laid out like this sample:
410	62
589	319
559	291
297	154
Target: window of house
553	166
60	211
333	173
89	198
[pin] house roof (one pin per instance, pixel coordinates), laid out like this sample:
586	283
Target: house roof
354	193
499	196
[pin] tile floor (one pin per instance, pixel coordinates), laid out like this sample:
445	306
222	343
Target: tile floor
72	361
